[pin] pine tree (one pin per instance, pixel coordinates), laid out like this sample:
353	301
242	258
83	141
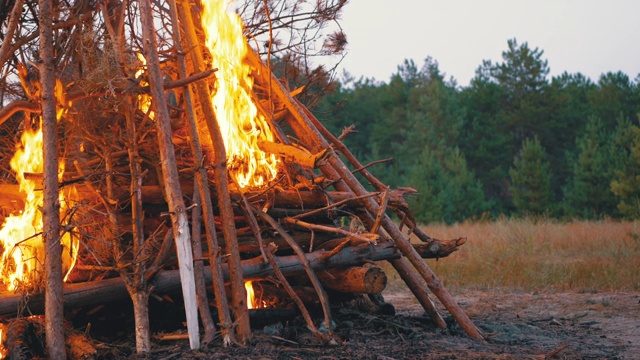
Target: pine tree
449	192
627	185
588	195
531	179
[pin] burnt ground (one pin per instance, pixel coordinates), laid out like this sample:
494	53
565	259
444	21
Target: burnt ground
517	325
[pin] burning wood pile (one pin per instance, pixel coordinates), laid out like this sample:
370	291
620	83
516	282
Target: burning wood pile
185	162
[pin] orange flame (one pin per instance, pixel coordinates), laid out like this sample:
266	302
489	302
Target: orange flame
144	100
252	301
21	241
240	123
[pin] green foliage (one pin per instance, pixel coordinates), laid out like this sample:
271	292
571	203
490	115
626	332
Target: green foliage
531	180
449	191
457	145
588	194
627	185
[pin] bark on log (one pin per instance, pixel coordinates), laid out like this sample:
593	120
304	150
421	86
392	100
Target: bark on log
293	154
436	249
362	280
99	292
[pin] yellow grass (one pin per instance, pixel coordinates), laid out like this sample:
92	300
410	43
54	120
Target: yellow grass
541	255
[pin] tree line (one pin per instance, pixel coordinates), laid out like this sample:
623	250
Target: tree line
510	143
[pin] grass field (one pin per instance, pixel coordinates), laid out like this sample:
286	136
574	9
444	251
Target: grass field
540	255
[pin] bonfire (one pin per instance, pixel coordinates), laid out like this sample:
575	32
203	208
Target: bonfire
183	160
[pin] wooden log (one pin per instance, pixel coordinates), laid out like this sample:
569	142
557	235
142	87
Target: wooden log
356	279
293	154
99	292
436	249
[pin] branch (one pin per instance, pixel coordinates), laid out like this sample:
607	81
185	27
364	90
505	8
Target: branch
22	105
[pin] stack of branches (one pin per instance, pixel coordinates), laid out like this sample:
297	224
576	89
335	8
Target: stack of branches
141	176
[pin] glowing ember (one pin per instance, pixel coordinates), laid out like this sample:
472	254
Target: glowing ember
3	349
240	123
21	240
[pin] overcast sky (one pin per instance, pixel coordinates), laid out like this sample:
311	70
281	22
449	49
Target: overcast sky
587	36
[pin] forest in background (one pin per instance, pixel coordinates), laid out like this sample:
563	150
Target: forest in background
512	143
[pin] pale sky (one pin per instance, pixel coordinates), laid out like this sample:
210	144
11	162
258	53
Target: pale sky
587	36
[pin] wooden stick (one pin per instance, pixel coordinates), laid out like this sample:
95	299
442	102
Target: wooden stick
365	237
334	205
198	268
170	173
296	299
305	263
138	286
14	19
383	207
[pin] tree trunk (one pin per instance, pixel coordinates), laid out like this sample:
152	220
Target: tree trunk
54	311
137	283
141	317
170	173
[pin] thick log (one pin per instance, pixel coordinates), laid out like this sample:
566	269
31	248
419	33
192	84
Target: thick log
292	154
436	249
99	292
361	280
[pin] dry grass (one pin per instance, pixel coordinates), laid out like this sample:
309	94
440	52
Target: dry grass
541	255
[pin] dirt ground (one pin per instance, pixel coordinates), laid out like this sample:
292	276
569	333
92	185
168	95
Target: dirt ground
517	325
